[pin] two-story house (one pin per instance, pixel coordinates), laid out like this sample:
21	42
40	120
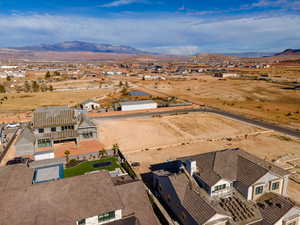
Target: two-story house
53	125
225	187
219	172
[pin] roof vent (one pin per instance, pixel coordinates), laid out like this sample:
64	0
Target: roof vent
269	202
261	205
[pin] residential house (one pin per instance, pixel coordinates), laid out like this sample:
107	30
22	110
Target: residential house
91	199
229	186
219	172
89	105
53	125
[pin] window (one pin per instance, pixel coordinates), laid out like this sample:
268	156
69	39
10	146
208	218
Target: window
275	185
44	143
41	130
220	187
81	222
259	190
87	135
53	129
67	127
106	216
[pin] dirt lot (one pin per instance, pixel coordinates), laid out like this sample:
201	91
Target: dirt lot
145	133
259	99
16	105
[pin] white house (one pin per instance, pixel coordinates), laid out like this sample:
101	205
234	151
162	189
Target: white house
89	105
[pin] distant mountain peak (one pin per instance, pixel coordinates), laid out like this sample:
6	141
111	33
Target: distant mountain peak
82	46
288	52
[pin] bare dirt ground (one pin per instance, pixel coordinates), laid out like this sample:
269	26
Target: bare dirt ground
144	133
254	98
156	140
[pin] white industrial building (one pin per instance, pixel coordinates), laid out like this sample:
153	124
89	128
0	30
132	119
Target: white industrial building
138	105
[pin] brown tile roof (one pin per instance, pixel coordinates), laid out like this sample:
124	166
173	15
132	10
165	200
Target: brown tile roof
233	165
60	202
15	177
194	199
136	199
53	116
273	207
68	200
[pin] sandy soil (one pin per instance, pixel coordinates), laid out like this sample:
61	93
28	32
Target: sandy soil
260	99
144	133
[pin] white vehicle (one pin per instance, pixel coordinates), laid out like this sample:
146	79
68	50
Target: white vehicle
12	125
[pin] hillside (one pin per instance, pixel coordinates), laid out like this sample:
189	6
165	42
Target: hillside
289	52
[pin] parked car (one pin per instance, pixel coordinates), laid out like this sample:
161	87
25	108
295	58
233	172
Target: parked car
17	160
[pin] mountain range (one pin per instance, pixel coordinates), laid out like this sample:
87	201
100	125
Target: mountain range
80	46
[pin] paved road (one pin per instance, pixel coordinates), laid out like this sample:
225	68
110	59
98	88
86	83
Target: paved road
266	125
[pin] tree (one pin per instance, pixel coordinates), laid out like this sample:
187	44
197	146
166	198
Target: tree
48	75
35	86
126	84
115	148
56	73
124	91
2	89
120	83
50	88
8	78
102	153
27	86
67	153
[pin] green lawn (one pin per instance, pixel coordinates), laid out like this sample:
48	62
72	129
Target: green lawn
88	167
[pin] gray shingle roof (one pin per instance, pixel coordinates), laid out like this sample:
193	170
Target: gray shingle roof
233	165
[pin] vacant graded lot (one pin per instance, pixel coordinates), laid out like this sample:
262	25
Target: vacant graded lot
255	98
28	101
137	134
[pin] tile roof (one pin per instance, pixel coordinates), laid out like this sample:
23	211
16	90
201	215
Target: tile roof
68	200
232	165
194	199
273	207
53	116
15	176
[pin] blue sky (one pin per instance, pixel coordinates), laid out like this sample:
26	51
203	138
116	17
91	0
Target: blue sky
182	27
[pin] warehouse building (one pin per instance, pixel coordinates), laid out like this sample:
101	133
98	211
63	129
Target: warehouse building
138	105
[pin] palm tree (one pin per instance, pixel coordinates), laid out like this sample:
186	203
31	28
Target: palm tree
102	153
115	148
67	153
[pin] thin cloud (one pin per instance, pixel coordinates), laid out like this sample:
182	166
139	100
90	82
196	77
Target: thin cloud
176	34
283	4
121	3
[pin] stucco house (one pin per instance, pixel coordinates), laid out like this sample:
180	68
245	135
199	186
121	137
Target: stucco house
91	199
229	186
89	105
54	125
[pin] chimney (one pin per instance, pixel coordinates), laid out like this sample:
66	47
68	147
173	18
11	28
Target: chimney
191	167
